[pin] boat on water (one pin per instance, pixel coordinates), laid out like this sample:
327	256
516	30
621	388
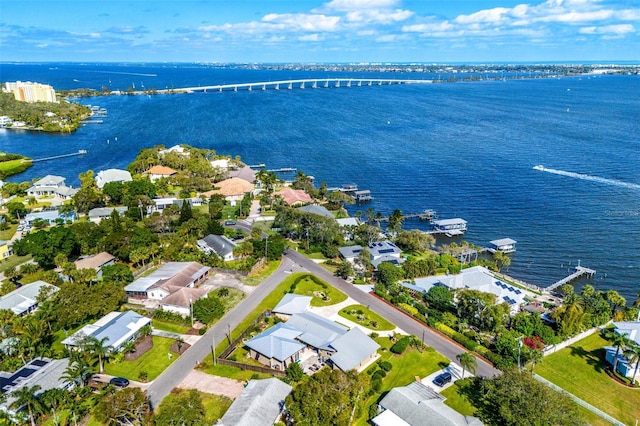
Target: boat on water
538	167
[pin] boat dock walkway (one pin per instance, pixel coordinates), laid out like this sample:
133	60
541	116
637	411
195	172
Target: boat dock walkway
80	152
579	271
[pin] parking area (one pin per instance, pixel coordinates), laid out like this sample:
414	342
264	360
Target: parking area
456	374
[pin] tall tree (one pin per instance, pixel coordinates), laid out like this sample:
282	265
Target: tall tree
98	348
27	397
395	220
621	342
632	353
186	212
185	408
468	362
128	406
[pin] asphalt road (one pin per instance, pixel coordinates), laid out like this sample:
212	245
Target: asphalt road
295	262
441	344
182	366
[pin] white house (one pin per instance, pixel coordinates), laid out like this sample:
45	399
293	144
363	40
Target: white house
112	175
168	279
116	327
218	244
379	251
23	300
51	186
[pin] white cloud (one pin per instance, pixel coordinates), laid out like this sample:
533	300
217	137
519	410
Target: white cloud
311	37
619	29
490	15
303	22
573	16
427	28
350	5
378	16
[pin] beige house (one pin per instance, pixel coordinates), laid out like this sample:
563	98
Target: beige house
233	189
159	172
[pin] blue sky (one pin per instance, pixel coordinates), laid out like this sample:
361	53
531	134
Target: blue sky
442	31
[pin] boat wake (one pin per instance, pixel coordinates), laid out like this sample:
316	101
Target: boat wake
588	177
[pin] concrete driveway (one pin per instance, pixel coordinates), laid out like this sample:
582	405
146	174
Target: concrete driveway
212	384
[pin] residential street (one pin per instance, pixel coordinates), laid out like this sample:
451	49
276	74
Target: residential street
295	262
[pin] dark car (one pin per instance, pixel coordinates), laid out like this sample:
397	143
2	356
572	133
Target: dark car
120	382
442	379
229	222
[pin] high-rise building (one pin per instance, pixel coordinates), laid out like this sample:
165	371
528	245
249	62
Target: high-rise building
31	92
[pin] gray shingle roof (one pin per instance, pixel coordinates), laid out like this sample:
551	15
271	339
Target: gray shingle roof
350	252
219	244
260	404
352	348
106	211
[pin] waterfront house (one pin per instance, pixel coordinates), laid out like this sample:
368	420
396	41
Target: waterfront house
5	249
450	227
46	373
117	328
244	173
234	189
177	149
167	279
24	300
159	204
112	175
504	245
261	403
51	186
475	278
99	213
96	262
159	172
379	251
218	244
221	163
418	405
294	197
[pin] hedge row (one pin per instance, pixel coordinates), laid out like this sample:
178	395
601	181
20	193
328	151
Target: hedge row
468	343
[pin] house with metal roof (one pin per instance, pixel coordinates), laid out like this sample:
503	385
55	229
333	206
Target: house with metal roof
23	300
306	335
218	244
99	213
116	327
43	372
504	245
475	278
292	304
260	404
379	251
419	405
51	185
50	217
450	227
112	175
172	274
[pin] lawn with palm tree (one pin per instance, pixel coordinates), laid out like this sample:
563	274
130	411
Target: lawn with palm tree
153	362
580	370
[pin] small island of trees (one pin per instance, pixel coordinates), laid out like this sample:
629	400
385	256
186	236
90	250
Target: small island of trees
44	116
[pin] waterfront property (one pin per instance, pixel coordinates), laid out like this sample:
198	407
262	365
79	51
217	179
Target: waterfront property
504	245
317	210
379	251
51	186
475	278
449	227
43	372
245	173
159	172
294	197
117	328
417	404
233	189
219	245
112	175
24	300
631	330
307	335
260	404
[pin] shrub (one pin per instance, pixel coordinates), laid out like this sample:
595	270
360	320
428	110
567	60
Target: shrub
408	308
385	365
379	374
376	385
401	345
143	376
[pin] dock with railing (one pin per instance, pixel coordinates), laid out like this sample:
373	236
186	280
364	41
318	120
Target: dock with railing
578	272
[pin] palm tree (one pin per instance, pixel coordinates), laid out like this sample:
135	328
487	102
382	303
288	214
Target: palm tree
637	305
98	347
77	373
621	342
632	353
468	362
26	397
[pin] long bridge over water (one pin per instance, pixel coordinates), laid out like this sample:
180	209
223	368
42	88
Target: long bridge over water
313	83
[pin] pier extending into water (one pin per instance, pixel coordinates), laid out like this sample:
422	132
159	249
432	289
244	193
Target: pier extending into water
579	271
73	154
313	83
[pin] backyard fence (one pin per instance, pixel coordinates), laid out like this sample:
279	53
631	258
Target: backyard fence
555	348
579	401
244	334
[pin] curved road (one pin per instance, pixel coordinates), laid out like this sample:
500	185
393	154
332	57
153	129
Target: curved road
295	262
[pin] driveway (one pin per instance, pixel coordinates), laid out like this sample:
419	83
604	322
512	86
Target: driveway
221	279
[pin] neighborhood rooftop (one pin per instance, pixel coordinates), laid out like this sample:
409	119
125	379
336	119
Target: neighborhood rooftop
24	299
169	271
115	327
260	404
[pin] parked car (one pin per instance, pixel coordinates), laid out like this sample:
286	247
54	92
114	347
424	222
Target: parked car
442	379
229	222
119	382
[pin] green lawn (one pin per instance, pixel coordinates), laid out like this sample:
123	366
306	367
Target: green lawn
405	369
13	260
457	400
170	326
365	317
230	371
312	286
259	275
154	362
233	297
579	369
215	405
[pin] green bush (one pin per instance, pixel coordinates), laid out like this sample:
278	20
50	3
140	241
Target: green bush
401	345
379	374
385	365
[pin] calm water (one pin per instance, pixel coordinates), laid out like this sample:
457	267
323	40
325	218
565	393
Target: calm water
466	150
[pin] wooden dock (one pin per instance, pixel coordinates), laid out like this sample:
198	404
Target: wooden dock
80	152
579	271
